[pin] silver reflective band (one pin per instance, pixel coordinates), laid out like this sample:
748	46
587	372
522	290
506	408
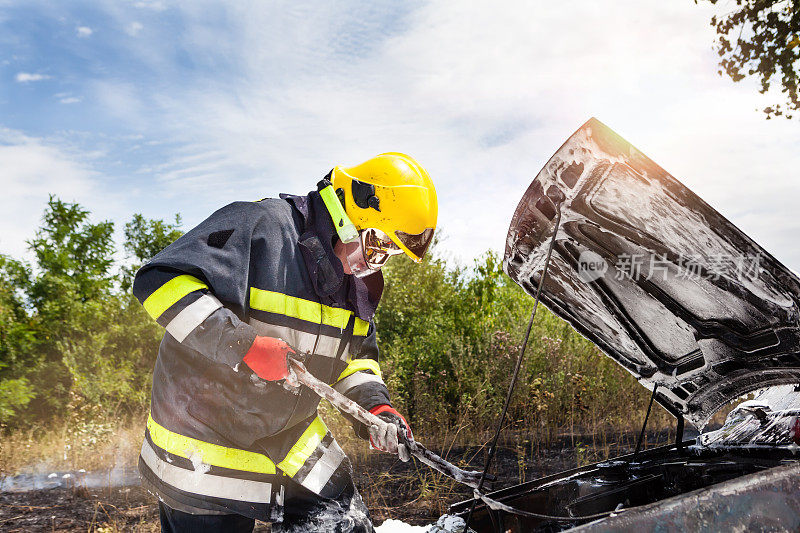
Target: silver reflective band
355	379
324	468
192	316
205	484
300	340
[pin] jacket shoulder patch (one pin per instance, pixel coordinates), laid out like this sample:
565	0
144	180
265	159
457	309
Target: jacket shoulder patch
219	238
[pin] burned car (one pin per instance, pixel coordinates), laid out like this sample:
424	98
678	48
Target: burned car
696	311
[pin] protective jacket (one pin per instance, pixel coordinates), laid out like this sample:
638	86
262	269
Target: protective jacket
218	438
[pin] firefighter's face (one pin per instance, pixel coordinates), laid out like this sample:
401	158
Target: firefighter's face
342	250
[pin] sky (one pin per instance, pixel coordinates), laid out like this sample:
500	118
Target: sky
160	107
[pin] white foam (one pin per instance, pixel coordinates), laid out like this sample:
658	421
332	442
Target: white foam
396	526
445	524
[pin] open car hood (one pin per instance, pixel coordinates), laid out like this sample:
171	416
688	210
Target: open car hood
654	276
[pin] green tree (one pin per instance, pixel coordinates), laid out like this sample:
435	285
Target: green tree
17	327
71	279
73	254
17	338
761	38
144	238
415	331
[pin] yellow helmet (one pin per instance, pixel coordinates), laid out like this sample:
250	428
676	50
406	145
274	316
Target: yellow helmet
391	193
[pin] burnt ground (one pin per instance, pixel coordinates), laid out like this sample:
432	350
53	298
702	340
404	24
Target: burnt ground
60	509
404	491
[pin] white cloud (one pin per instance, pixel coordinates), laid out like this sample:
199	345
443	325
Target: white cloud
26	77
69	100
33	169
134	28
84	31
155	5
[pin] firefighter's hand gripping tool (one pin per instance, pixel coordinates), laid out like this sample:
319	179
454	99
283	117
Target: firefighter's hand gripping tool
300	375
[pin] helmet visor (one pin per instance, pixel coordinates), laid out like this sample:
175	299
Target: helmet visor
370	252
419	243
378	247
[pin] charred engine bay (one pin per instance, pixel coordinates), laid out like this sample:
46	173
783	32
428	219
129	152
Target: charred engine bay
621	484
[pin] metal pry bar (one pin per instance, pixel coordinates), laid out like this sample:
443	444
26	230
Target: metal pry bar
348	406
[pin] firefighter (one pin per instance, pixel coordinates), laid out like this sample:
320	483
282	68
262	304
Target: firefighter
226	442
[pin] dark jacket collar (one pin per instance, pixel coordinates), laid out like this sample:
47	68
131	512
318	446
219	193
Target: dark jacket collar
331	284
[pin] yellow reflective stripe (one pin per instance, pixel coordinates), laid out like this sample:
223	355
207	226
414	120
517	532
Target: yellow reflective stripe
361	364
304	447
333	316
283	304
362	328
210	454
275	302
165	296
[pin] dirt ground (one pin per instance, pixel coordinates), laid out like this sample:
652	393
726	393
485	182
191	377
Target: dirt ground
392	489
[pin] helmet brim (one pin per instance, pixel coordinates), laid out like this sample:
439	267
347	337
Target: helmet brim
414	245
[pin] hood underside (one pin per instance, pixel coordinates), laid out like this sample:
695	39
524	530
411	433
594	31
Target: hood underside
659	280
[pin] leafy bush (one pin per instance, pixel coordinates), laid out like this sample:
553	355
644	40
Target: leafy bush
14	395
449	341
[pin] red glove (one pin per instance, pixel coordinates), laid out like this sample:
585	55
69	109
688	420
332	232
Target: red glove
267	358
390	443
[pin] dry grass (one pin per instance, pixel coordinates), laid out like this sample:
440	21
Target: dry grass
72	446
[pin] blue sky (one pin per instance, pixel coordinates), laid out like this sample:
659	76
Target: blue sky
161	107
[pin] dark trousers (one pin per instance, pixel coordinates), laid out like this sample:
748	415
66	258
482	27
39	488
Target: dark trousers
174	521
303	511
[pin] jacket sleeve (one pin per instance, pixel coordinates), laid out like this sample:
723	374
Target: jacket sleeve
362	381
183	287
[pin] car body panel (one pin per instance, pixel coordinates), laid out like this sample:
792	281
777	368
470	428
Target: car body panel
763	501
654	276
